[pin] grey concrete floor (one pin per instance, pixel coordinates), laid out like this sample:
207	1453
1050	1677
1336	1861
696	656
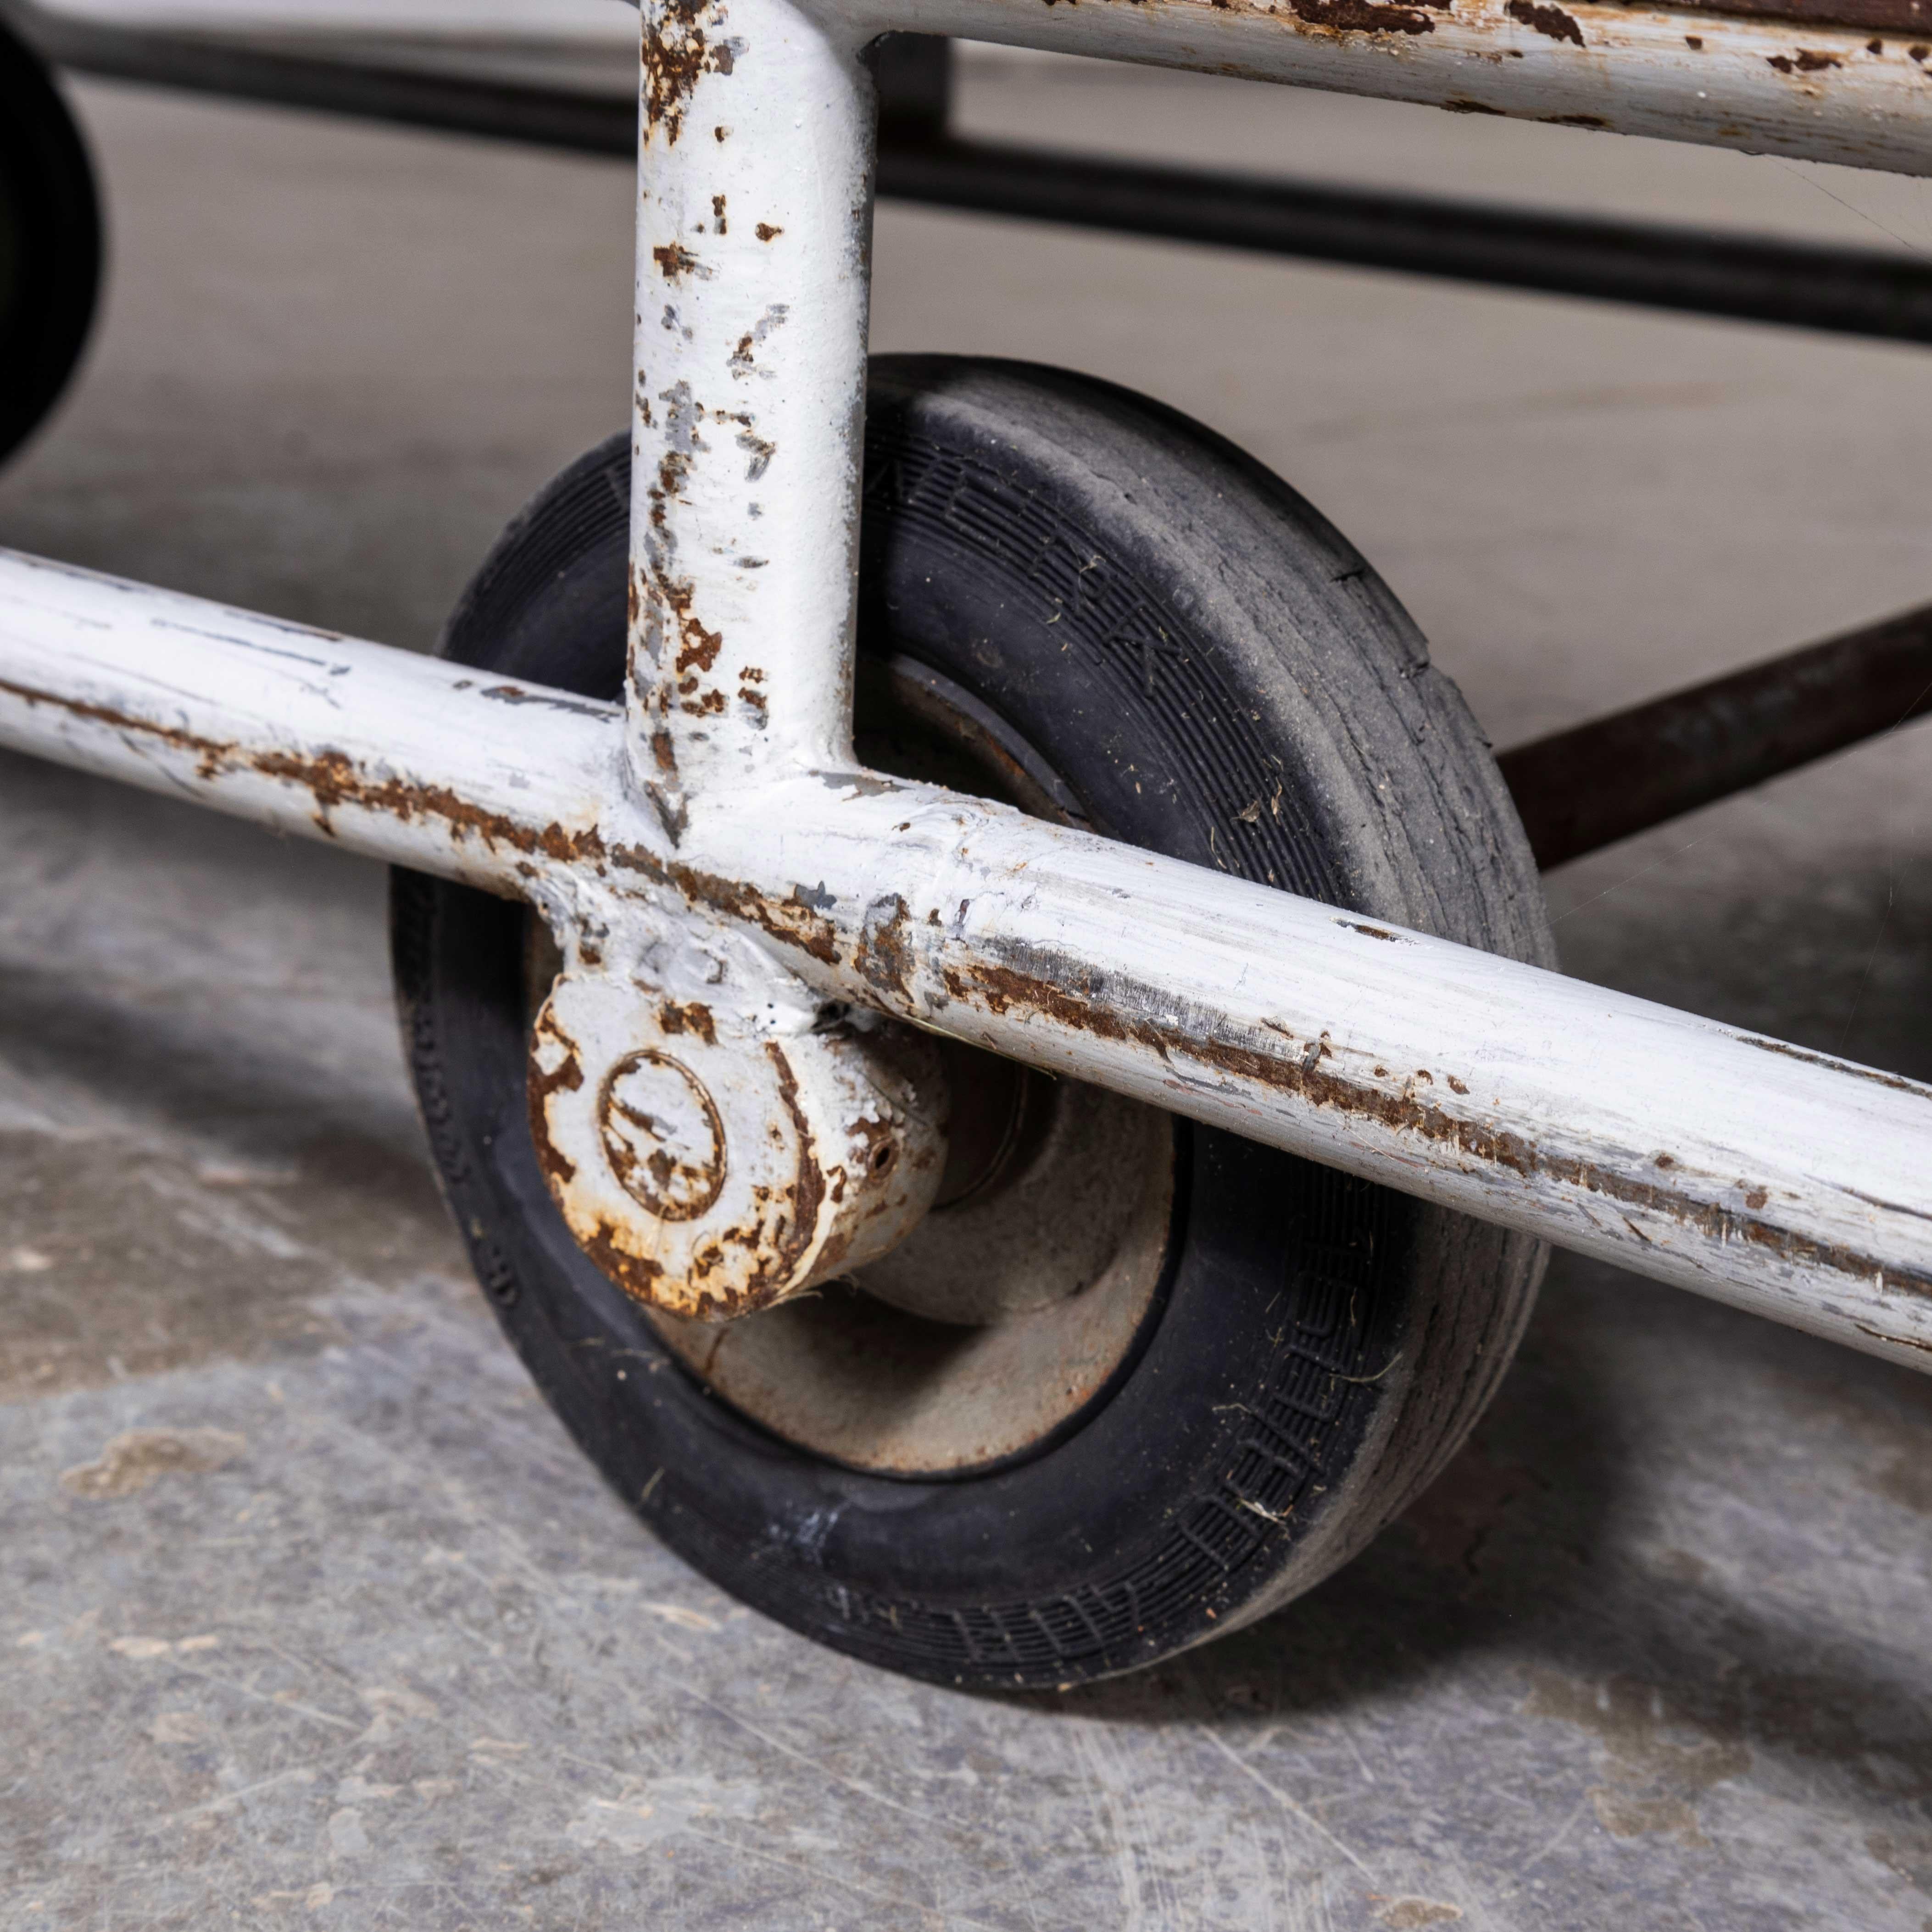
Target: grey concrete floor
311	1615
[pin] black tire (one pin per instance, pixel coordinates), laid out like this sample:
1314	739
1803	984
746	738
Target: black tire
50	243
1177	635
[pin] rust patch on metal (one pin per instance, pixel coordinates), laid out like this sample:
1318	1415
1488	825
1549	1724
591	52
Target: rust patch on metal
765	232
1804	61
676	58
794	921
691	1018
334	780
637	1275
559	1170
881	1145
808	1185
884	954
1373	931
673	466
1002	989
638	1143
697	647
760	449
1364	16
675	261
1897	1081
743	361
1550	20
212	753
782	1226
1899	1341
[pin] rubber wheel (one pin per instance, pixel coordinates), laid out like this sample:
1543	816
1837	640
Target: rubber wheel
1186	655
50	243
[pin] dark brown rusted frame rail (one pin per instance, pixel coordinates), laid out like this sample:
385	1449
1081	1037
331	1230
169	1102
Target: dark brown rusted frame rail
1580	789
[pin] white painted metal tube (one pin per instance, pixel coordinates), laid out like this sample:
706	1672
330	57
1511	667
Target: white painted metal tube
1851	95
1776	1179
1829	94
754	227
399	757
1765	1176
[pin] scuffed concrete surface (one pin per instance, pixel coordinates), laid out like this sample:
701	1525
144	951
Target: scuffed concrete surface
312	1616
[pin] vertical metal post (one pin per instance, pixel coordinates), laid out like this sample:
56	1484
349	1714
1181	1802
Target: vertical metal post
755	154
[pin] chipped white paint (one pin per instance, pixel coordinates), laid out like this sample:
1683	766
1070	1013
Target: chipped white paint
297	728
716	1155
1773	1179
754	227
709	843
1813	93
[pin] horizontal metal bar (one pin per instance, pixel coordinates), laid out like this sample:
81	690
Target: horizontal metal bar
1757	1172
1823	93
1582	789
1854	292
398	756
1911	18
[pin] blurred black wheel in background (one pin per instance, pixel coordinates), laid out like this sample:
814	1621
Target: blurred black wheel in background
50	243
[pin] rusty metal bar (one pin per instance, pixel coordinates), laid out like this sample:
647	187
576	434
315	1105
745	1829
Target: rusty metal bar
1759	1173
1762	86
1581	789
713	836
1856	292
399	757
753	278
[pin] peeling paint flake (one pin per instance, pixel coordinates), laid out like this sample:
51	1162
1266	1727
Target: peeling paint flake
680	47
1550	20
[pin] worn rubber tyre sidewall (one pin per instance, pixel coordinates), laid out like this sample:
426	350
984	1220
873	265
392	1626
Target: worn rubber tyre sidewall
47	187
1180	636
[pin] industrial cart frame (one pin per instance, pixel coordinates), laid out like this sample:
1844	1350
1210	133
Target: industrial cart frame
712	843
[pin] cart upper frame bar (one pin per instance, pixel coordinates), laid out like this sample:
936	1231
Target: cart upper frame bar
719	814
1845	94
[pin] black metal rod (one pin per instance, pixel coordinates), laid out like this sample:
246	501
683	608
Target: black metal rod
1584	788
1849	291
1854	292
541	116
